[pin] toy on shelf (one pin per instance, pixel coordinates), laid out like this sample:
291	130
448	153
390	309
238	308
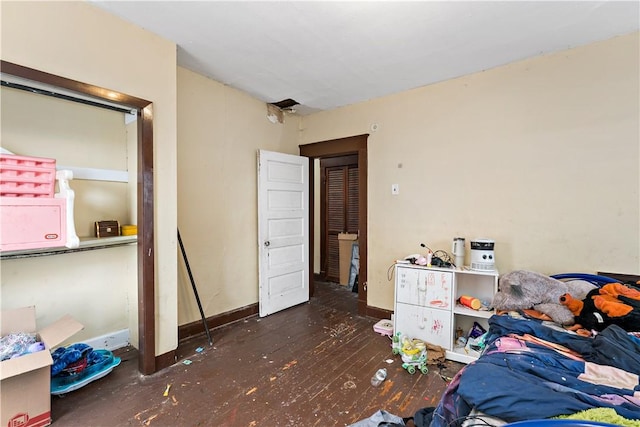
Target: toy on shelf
412	351
32	215
470	301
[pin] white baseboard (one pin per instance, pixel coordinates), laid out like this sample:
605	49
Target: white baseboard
112	341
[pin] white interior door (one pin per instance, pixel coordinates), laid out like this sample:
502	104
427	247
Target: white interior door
283	231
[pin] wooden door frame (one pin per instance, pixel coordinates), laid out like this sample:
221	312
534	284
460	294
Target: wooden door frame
146	251
333	148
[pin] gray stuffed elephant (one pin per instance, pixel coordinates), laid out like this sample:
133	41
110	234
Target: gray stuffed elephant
521	289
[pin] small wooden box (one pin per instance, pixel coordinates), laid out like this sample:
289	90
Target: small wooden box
107	228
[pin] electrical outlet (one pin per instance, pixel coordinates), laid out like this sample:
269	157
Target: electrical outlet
395	189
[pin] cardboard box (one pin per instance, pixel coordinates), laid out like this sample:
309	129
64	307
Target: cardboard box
345	245
25	381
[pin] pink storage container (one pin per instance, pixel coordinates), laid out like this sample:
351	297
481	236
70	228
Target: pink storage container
32	222
23	176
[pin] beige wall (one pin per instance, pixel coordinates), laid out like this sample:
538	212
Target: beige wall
79	41
219	132
541	155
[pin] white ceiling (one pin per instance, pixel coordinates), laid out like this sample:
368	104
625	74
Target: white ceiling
327	54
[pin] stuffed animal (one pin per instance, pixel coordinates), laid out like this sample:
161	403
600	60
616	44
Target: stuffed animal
522	289
613	304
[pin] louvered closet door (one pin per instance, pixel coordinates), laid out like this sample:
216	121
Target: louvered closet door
335	220
340	193
352	200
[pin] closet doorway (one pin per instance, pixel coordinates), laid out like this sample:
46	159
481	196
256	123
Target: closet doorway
148	363
351	147
339	190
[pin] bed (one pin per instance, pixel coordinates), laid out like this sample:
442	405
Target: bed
536	370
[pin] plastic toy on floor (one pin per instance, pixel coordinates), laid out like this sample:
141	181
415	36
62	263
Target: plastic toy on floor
412	351
384	327
77	365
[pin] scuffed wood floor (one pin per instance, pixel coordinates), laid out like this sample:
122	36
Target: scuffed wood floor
310	365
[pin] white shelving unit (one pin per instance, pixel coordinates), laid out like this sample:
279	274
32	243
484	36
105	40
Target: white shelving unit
425	304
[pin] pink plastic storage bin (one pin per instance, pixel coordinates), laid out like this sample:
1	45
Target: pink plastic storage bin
22	176
32	222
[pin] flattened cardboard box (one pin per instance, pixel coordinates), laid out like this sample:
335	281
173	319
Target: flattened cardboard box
25	381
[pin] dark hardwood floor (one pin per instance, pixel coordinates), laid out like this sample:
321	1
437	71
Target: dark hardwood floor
310	365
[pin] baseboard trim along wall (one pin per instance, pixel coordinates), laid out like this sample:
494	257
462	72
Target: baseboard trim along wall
112	341
195	328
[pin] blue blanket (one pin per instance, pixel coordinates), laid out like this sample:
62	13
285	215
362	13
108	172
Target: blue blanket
540	382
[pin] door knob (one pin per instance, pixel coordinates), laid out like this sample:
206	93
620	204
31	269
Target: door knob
267	243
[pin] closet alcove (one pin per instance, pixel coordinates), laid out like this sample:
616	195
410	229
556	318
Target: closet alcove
147	363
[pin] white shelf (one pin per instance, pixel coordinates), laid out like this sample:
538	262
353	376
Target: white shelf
86	243
91	241
418	287
459	355
483	314
94	174
481	272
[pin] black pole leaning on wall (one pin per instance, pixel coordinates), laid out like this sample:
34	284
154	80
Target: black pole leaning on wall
195	290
